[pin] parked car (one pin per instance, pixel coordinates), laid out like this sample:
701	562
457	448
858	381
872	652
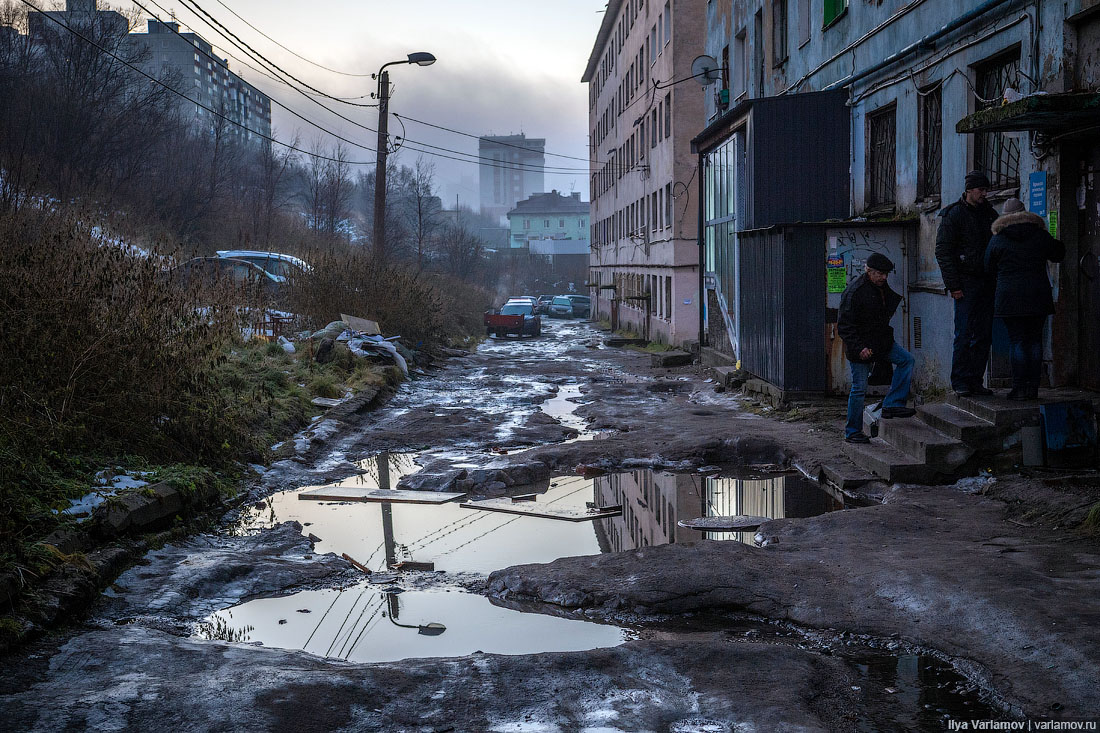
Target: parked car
515	317
209	272
561	307
542	304
279	265
582	305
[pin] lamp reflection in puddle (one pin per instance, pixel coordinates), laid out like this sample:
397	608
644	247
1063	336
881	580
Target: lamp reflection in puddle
433	628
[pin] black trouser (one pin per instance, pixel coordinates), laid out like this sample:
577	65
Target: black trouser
973	332
1025	338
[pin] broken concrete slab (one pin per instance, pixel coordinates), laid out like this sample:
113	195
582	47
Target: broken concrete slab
670	358
396	496
735	523
543	511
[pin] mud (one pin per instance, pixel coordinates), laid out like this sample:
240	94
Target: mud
944	571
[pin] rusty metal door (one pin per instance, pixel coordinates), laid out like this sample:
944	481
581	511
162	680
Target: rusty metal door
1088	268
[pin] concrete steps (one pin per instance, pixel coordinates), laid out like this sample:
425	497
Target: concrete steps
923	442
959	424
998	410
889	463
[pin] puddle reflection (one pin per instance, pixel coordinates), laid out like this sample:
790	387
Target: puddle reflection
369	624
653	502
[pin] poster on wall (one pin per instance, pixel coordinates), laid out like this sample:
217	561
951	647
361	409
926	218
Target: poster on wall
836	274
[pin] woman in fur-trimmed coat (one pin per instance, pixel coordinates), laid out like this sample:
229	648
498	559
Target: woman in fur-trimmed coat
1017	256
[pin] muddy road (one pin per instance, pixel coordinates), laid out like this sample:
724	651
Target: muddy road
842	613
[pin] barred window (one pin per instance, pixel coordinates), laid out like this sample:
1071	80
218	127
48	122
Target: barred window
930	154
882	157
995	153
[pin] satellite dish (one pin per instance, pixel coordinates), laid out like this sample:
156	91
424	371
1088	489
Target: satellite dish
706	70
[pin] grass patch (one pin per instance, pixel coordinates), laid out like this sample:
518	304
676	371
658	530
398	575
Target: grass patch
1091	524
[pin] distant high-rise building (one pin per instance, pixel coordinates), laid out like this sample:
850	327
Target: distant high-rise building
207	81
511	170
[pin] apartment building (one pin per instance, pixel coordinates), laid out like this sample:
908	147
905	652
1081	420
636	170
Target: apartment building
644	264
915	94
510	170
219	96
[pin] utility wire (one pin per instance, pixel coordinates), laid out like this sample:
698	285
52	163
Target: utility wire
198	104
216	26
292	53
275	101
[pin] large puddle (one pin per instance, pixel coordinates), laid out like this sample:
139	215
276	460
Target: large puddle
371	622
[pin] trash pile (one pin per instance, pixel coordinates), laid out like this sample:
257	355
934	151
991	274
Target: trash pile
361	337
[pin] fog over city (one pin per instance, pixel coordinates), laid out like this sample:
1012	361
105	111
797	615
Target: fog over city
503	67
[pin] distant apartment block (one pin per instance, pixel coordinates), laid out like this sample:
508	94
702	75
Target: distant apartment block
511	169
207	81
644	267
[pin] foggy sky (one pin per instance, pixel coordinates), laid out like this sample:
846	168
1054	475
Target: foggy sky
504	66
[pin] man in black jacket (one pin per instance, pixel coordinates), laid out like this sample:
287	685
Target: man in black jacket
866	308
961	240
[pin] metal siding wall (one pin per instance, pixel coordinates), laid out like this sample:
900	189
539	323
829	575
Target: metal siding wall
801	151
783	312
804	319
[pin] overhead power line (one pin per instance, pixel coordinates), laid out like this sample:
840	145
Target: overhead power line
178	93
292	53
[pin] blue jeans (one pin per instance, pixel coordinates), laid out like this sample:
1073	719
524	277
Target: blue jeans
973	332
896	397
1025	338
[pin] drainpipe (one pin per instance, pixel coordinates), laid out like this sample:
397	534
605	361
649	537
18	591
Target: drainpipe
912	48
701	236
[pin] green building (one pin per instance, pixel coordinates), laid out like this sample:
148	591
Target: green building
550	217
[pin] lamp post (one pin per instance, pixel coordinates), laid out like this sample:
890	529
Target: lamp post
420	58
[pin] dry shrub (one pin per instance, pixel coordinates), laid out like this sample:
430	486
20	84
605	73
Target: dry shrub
422	309
100	351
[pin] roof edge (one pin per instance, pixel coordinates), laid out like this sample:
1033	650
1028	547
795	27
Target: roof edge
609	17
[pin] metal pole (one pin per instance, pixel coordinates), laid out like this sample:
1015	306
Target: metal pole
380	166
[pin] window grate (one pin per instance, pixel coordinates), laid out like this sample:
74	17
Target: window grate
882	173
916	332
997	154
931	142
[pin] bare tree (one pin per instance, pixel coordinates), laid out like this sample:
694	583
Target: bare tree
423	212
461	250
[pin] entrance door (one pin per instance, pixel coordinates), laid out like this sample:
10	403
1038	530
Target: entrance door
1089	270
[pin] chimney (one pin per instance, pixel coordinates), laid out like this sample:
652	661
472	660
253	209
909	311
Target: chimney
576	195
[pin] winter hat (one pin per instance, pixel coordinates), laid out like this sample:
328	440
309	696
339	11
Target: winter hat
1012	206
880	262
976	179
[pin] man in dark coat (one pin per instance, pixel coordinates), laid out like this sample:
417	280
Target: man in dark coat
866	308
1017	258
960	250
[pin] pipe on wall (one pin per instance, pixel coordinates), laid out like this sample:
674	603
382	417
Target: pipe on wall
912	48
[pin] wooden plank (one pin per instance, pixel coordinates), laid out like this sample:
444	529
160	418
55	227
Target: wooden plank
736	523
350	493
363	325
355	563
544	511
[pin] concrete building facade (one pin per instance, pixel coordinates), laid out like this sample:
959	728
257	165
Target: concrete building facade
510	170
207	81
549	216
926	88
644	271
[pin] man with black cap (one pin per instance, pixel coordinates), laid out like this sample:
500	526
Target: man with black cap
866	308
964	233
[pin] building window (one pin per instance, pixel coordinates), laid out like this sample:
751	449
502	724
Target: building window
803	22
668	205
546	223
526	223
779	31
653	44
653	120
668	114
881	157
834	9
741	45
930	152
668	22
561	222
995	153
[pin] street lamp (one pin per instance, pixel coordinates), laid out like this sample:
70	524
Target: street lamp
420	58
433	628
